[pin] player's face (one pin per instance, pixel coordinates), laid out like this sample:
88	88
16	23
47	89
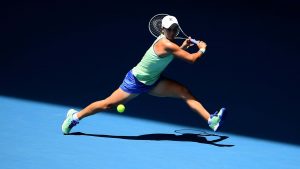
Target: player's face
171	33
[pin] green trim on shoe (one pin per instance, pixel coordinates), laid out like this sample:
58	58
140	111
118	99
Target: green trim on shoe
69	123
217	119
214	123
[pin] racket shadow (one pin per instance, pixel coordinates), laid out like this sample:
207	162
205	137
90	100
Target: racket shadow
197	138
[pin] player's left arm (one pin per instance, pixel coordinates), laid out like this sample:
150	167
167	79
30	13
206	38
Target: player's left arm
176	51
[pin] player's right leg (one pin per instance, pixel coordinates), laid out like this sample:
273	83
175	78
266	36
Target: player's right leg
117	97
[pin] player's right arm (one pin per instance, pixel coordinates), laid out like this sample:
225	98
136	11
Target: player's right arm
176	51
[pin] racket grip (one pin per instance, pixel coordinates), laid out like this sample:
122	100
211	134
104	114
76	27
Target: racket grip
194	41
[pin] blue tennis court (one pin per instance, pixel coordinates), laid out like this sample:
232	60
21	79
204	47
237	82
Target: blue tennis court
31	138
68	54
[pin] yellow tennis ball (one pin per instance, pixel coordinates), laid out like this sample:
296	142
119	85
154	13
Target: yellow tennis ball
121	108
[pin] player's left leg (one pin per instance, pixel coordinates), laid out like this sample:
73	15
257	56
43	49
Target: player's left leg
171	88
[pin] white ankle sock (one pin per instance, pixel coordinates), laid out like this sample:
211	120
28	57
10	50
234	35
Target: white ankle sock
75	117
209	120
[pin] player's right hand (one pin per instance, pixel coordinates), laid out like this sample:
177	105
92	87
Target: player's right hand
201	44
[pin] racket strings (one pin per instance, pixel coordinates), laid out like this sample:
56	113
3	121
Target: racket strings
155	25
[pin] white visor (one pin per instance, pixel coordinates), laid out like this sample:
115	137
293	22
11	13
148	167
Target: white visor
168	20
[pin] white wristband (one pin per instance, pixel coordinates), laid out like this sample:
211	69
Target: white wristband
202	50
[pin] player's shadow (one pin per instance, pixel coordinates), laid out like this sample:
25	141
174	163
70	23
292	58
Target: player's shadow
198	138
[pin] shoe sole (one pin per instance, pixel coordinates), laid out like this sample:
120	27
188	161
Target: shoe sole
223	117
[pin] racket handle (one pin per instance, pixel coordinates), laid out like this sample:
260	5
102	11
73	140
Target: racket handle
194	41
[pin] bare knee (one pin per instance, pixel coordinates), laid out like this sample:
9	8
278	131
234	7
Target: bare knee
108	104
102	105
185	93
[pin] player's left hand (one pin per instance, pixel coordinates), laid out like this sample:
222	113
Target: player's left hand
187	42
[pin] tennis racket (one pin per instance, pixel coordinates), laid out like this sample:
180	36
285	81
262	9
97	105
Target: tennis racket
155	28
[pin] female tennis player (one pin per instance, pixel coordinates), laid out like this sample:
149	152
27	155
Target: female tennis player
146	77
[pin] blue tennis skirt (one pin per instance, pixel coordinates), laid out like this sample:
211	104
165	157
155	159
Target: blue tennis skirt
132	85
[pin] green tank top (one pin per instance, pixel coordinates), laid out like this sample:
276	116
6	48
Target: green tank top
148	70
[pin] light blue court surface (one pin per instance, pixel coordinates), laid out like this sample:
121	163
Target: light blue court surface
31	138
